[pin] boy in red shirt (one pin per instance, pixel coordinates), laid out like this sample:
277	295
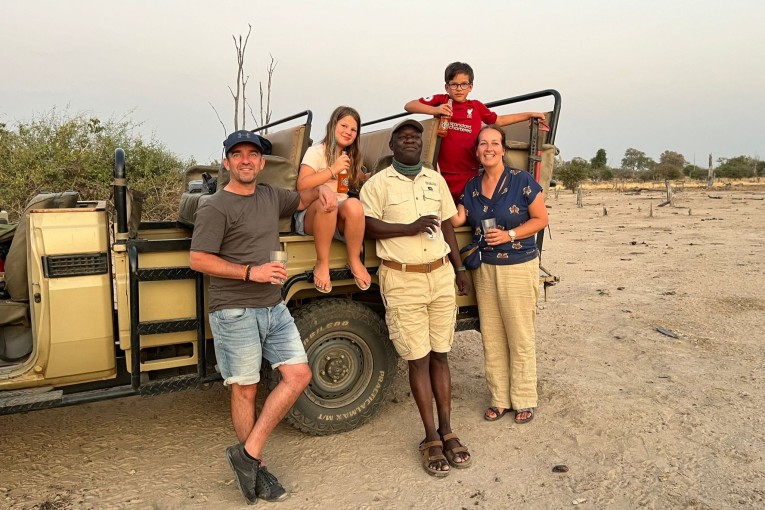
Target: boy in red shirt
457	159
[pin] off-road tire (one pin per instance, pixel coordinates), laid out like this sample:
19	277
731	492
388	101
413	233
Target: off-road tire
353	364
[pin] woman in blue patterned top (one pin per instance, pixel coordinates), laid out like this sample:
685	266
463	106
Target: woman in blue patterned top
507	280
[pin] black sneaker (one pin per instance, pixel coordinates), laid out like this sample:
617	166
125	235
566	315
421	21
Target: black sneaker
245	472
268	487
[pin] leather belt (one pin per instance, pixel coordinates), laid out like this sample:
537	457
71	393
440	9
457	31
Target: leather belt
416	268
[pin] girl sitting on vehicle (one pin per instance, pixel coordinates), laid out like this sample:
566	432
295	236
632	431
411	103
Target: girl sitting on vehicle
331	163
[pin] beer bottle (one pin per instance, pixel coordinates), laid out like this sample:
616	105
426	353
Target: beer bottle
443	123
342	179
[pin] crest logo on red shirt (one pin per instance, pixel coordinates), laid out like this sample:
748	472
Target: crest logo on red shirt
469	113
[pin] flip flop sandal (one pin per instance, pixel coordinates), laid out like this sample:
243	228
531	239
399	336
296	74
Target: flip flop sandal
452	453
317	286
526	420
359	281
497	414
428	459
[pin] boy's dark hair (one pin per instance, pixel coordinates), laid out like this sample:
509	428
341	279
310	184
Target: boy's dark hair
456	68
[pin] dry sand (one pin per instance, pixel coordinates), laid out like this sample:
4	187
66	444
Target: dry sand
640	418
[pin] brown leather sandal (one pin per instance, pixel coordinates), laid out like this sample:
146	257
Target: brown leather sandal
452	453
428	459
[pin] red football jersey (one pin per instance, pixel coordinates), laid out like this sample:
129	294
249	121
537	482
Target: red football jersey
457	159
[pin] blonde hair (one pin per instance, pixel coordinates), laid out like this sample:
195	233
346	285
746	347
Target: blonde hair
354	150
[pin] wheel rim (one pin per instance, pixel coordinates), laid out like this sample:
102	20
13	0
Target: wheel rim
342	368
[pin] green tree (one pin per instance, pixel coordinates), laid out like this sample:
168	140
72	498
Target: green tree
664	171
739	167
637	161
600	159
695	172
672	158
605	174
670	166
574	172
58	151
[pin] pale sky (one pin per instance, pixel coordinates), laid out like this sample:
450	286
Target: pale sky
687	76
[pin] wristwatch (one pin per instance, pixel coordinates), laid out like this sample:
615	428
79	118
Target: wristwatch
511	233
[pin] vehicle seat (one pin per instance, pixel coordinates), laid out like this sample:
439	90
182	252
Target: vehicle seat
375	148
281	170
193	195
15	330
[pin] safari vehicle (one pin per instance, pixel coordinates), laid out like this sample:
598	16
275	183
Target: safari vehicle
98	305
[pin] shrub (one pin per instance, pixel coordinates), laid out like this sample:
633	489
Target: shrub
58	152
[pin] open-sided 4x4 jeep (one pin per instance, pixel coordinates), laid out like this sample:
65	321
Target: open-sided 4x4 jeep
95	307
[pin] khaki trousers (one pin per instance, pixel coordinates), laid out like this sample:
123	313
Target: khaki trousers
507	307
420	310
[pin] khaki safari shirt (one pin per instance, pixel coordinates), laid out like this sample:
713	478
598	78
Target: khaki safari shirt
394	198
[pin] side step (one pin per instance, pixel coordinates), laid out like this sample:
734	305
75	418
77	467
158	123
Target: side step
16	401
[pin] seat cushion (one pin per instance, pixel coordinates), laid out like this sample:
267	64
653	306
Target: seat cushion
16	262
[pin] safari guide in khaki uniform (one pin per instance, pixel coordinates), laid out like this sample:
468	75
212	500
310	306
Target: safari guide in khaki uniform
407	208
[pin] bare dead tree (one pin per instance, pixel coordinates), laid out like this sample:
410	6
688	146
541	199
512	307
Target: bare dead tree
265	97
239	92
241	80
265	116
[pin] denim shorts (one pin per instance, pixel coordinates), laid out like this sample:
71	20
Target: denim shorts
244	336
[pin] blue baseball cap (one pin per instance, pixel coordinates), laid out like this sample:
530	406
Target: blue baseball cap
244	136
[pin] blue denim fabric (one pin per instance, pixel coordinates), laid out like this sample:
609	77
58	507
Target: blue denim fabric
244	336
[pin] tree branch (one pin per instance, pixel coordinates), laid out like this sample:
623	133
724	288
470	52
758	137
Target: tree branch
221	122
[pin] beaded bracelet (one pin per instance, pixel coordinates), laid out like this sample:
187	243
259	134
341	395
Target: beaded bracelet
246	276
331	172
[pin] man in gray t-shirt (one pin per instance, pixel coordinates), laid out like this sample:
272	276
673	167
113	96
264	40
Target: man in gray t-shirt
234	232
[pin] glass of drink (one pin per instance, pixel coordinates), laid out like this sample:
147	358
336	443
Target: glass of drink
280	257
434	234
488	224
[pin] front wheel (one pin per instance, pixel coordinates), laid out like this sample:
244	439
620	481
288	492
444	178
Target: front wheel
352	362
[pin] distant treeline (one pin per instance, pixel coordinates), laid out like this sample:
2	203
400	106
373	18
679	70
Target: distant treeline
636	165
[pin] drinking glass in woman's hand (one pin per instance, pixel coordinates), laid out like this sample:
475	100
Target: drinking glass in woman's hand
488	224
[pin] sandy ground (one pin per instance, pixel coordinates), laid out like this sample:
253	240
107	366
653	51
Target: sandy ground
641	419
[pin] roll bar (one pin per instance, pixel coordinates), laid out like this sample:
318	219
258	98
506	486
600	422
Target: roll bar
501	102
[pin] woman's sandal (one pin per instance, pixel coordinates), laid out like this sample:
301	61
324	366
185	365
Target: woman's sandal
319	285
359	282
452	453
428	460
497	414
525	420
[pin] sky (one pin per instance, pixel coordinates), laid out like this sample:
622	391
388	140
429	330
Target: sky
655	75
